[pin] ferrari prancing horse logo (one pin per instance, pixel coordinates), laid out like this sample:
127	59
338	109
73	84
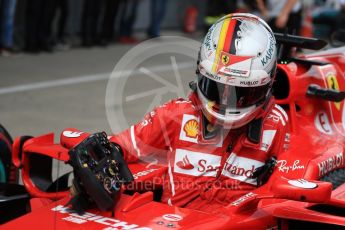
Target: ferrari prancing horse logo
225	59
333	84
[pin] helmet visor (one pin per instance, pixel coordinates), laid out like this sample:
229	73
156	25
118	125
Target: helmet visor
231	97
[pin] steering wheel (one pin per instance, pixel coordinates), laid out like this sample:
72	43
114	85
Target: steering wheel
99	172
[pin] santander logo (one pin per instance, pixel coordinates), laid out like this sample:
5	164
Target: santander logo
185	164
239	171
241	168
196	163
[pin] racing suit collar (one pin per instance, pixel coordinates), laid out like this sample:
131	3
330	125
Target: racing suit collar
207	135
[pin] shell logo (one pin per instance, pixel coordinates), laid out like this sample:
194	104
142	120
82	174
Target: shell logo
191	128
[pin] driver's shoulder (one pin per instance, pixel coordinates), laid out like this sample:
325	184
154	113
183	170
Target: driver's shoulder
178	106
276	117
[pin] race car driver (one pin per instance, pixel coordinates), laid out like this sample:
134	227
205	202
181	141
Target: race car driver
227	129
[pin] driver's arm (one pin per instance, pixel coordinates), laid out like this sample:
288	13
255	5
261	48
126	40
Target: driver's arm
151	135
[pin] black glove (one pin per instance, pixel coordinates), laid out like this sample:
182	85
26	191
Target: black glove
99	171
263	173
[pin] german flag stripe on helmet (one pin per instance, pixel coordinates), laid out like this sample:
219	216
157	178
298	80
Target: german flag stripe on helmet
229	41
225	42
232	49
221	41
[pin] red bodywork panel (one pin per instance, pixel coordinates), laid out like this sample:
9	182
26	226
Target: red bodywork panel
316	149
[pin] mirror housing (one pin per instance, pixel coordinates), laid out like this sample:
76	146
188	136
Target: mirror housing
302	190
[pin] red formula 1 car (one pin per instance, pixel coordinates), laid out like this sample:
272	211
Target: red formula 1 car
305	190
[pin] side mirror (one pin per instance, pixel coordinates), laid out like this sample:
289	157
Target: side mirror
302	190
325	94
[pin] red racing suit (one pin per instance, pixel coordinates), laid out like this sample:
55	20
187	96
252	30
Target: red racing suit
203	176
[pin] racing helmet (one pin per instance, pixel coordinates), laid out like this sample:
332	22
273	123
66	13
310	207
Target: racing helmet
236	67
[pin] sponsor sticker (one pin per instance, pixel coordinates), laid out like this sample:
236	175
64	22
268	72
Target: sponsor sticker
225	58
208	40
215	77
241	168
243	198
72	134
302	183
230	80
109	223
249	83
265	80
267	138
269	53
277	113
185	163
147	119
234	65
273	117
286	141
143	173
235	76
322	123
284	167
332	83
189	128
330	164
196	163
172	217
